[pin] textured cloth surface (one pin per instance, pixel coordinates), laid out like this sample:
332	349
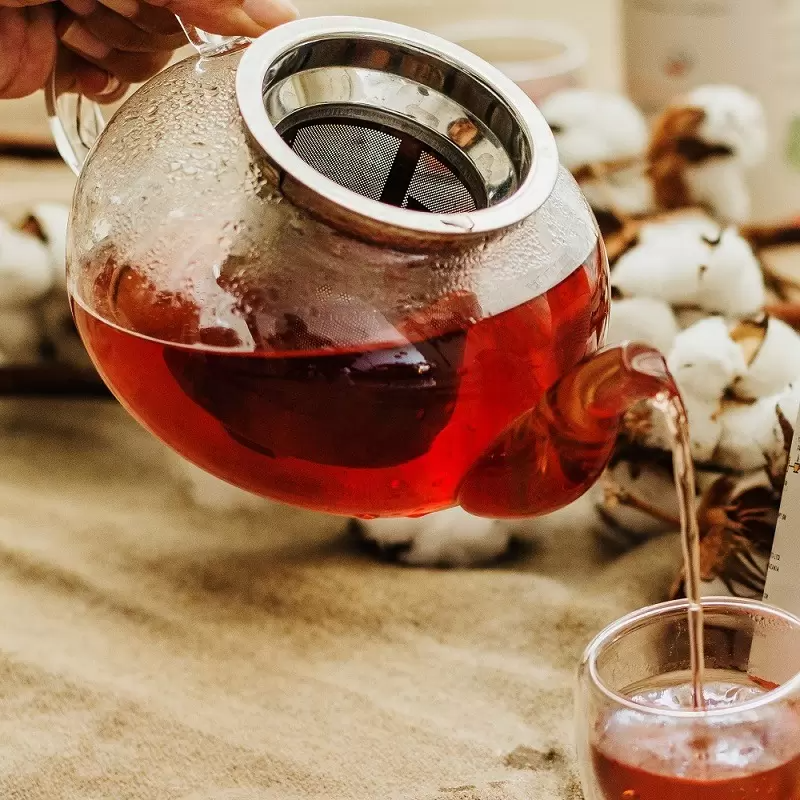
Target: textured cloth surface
152	650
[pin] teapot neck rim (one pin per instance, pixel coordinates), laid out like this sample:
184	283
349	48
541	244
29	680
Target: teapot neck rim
257	67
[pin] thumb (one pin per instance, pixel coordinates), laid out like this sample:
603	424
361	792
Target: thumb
233	17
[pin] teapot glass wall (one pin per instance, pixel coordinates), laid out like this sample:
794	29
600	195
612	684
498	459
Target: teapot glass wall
309	343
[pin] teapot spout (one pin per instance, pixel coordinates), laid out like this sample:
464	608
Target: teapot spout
554	453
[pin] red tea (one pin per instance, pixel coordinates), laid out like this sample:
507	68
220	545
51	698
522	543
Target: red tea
637	760
378	429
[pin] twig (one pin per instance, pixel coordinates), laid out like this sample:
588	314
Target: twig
629	500
787	312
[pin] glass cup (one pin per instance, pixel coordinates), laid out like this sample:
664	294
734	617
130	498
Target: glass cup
637	735
540	57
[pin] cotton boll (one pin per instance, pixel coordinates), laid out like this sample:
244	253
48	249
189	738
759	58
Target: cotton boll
720	185
692	262
695	220
53	220
775	365
734	118
789	402
26	274
595	127
605	136
705	361
747	431
446	538
642	319
734	280
667	268
667	262
705	429
702	145
624	191
751	434
20	337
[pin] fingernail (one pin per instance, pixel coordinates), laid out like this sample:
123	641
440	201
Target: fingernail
77	38
270	13
125	8
111	86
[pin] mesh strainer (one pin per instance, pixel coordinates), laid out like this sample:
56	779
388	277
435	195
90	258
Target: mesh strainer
383	164
403	120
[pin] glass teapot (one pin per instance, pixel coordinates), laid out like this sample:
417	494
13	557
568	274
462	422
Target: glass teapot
340	266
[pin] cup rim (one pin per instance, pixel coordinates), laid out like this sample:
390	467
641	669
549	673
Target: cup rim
572	58
638	619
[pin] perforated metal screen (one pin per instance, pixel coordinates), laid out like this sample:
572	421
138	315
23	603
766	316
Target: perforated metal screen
393	168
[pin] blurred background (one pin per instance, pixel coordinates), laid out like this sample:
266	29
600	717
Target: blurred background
652	49
597	21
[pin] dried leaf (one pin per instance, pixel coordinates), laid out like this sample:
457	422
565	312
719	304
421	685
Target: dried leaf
598	170
615	496
788	312
32	227
737	528
750	334
668	166
762	237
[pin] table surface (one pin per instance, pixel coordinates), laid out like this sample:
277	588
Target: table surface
152	650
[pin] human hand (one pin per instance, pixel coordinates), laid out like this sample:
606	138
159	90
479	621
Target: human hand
102	46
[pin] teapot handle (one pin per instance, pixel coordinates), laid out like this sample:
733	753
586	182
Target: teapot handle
76	122
204	42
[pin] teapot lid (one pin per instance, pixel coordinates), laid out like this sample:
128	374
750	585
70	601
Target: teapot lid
395	127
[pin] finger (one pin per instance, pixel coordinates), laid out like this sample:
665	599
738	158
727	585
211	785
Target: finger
118	33
144	15
74	74
232	17
22	3
97	84
127	67
28	49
